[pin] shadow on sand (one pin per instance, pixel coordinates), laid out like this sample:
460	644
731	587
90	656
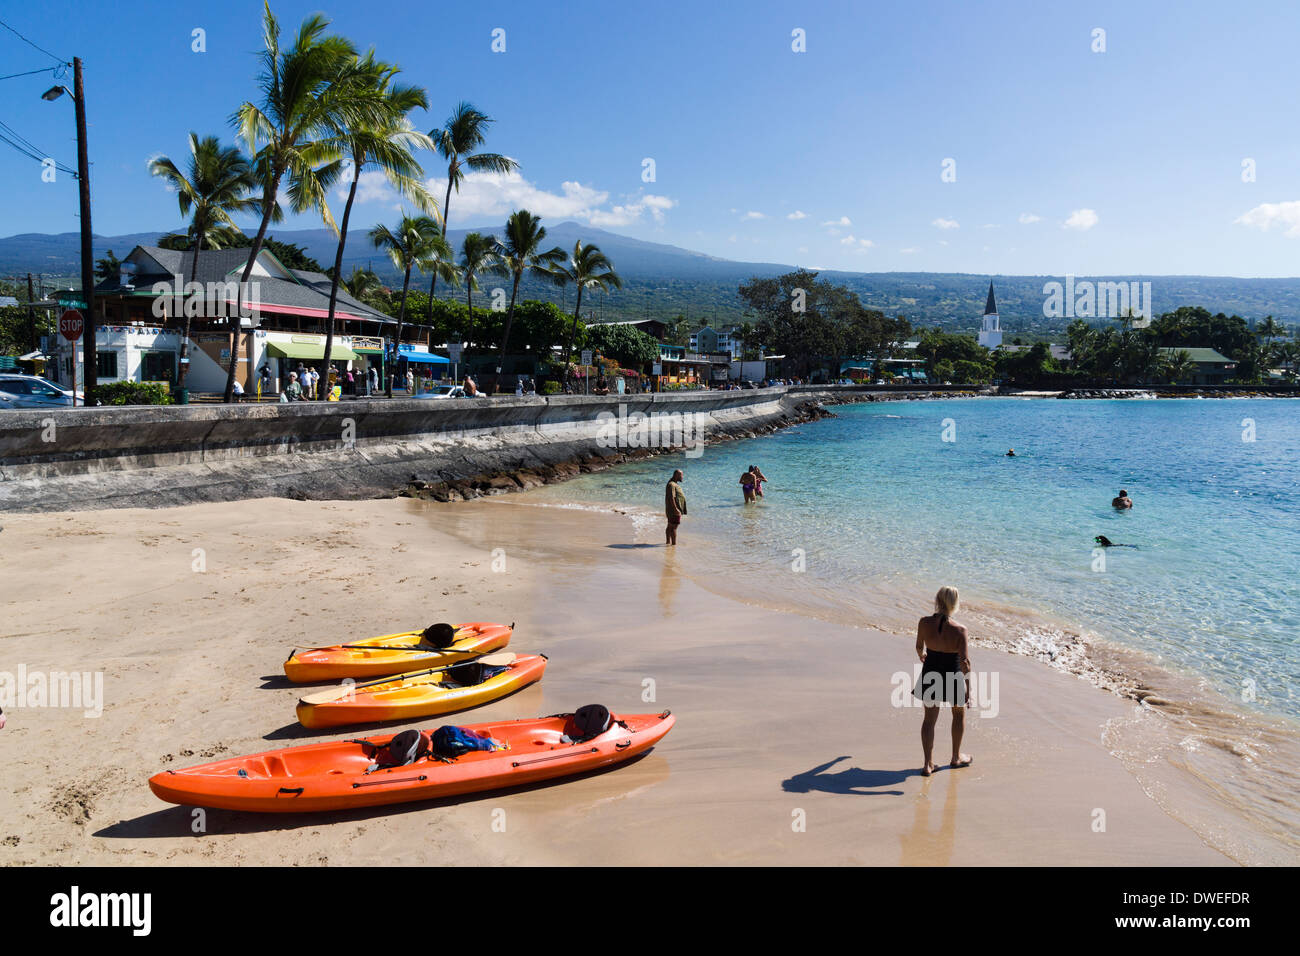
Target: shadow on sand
853	780
297	731
176	821
633	547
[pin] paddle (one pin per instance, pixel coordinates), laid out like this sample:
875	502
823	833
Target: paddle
504	659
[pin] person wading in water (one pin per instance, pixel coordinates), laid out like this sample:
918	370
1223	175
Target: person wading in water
674	506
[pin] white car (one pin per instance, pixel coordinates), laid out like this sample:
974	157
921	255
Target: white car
445	391
32	391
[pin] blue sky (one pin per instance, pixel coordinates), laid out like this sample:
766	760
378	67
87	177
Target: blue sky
1066	160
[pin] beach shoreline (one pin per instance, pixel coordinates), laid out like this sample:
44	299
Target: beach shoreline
781	718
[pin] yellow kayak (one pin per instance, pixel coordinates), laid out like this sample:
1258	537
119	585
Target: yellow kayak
422	693
395	653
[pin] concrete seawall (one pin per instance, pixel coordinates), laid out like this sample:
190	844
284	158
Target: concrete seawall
150	456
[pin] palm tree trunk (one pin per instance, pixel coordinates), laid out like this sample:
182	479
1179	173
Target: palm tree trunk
434	281
469	309
505	338
268	205
338	269
401	316
573	333
183	374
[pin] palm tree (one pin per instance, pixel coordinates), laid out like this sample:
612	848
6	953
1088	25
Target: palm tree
1270	328
1178	366
519	254
587	268
307	94
465	131
407	246
478	257
363	285
381	136
220	182
440	264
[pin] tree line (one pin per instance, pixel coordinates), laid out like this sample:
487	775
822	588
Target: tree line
324	110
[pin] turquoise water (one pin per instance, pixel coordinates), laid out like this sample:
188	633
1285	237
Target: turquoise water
875	498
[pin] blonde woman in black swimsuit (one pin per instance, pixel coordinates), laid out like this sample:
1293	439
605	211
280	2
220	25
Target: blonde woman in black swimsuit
941	646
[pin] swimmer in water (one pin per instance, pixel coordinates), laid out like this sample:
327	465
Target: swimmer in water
1011	453
1121	502
1105	542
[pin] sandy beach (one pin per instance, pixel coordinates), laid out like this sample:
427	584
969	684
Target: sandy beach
784	722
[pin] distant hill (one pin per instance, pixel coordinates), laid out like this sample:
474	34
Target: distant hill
662	281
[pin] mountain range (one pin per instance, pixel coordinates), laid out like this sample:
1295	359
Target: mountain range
662	281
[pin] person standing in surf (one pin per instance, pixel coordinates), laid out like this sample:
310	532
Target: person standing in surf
674	506
945	663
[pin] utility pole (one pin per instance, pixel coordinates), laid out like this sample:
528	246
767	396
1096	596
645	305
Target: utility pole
90	361
31	316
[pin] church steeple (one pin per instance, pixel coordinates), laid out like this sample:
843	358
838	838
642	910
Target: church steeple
990	335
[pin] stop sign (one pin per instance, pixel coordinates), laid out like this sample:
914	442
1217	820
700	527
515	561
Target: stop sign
71	325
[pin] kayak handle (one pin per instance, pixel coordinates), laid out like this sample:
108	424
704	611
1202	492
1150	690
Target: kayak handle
623	746
297	790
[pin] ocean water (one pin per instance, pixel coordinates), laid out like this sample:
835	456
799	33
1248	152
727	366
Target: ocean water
867	514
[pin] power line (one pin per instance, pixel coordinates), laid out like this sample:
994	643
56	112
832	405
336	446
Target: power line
44	69
31	44
12	137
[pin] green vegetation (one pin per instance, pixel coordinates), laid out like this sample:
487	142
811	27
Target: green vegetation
811	322
630	346
132	393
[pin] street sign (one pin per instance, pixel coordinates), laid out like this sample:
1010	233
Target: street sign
453	352
71	325
586	356
656	369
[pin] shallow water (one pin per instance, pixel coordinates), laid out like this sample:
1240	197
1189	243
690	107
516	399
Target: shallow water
866	514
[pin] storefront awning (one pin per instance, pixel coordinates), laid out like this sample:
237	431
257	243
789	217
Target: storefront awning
313	351
426	358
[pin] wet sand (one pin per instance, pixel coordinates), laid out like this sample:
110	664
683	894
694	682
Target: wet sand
788	746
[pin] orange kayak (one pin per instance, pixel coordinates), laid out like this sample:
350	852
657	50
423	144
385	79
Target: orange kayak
332	775
420	694
393	654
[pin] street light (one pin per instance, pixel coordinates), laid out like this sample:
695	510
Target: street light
89	357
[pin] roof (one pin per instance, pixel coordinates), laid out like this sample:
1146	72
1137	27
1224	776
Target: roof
990	307
1202	356
278	287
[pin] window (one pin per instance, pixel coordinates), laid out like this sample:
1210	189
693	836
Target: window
158	367
106	364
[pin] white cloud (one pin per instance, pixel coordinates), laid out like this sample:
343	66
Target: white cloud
990	225
496	195
942	223
797	214
943	242
1081	219
909	250
842	221
732	237
858	244
1028	218
753	215
1265	216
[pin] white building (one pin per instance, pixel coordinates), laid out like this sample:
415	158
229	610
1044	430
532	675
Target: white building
990	326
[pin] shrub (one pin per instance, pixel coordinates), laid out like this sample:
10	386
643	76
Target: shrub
551	387
133	393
